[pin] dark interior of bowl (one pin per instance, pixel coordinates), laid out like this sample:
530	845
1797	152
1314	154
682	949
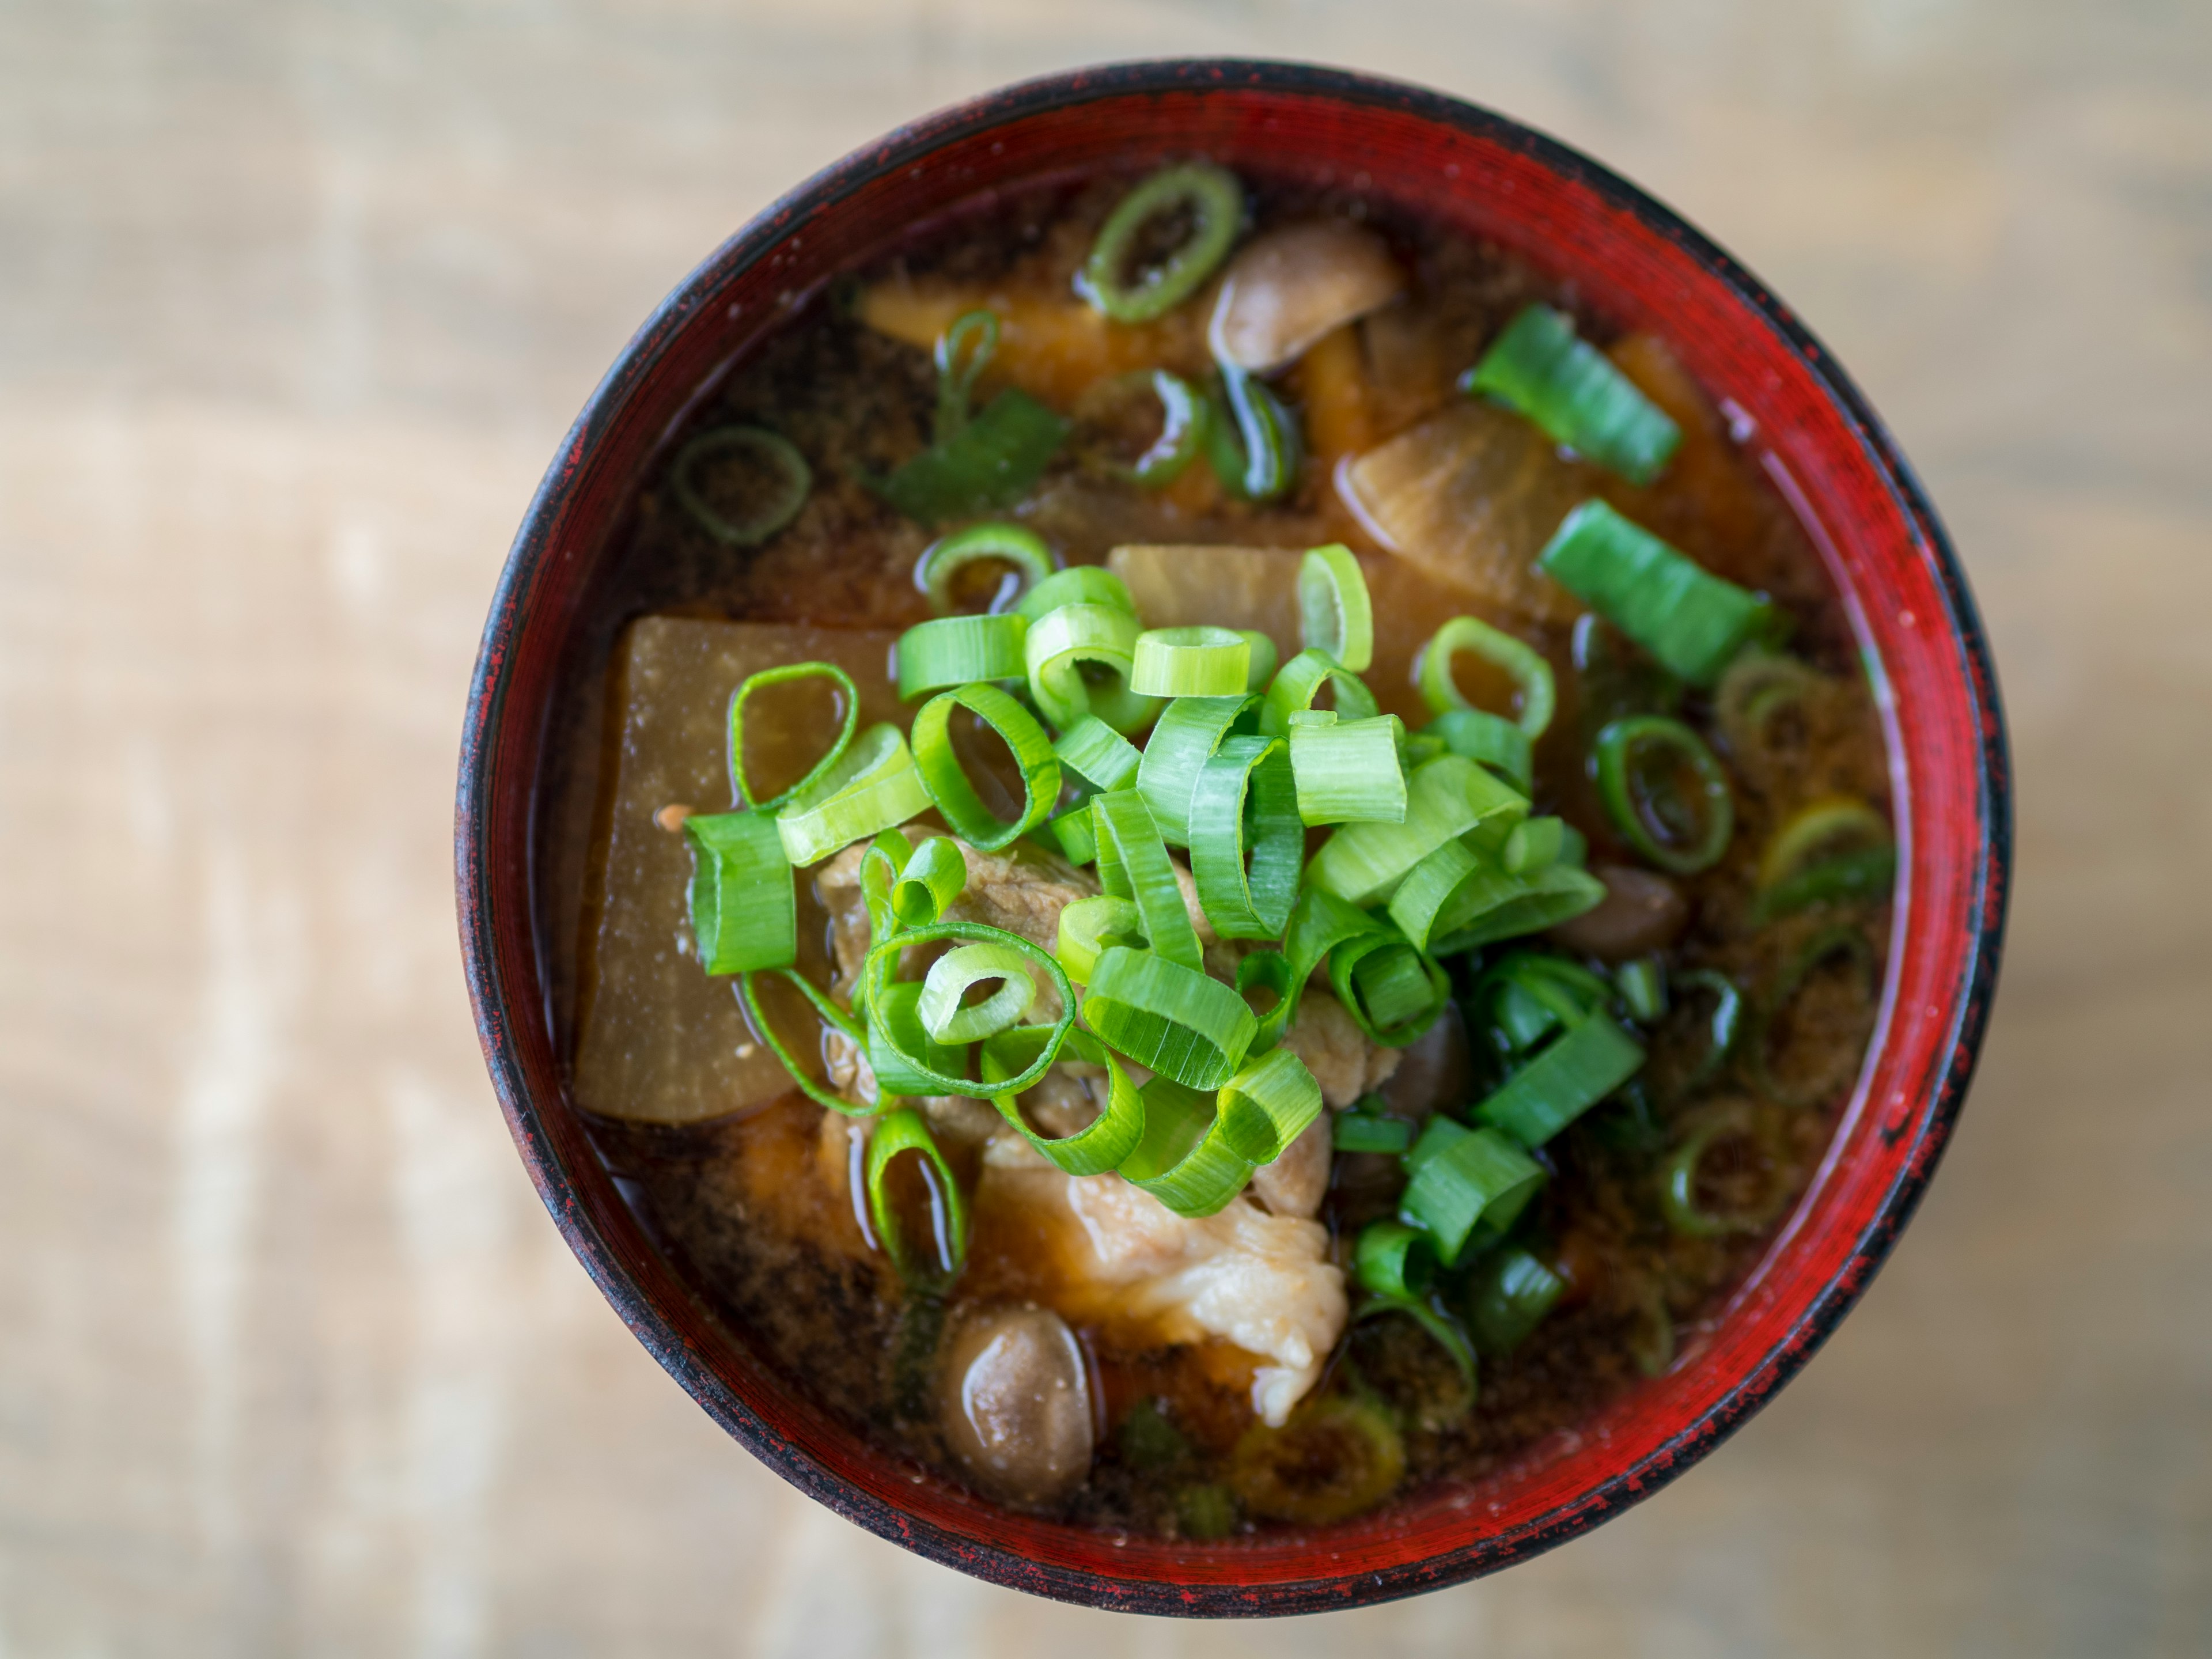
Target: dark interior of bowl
1635	262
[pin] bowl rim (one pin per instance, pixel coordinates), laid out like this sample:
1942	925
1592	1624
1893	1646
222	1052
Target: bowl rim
1951	1069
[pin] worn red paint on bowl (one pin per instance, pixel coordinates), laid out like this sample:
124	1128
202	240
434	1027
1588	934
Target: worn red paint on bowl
1636	263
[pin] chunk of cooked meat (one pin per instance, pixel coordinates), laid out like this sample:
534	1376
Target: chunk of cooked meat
1298	1180
1642	911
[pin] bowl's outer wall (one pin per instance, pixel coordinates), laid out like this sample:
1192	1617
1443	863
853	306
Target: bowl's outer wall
1634	262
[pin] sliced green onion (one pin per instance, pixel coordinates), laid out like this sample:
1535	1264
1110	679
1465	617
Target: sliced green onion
1181	1160
1593	1058
1652	1347
1445	797
830	1015
1190	729
1191	662
903	1131
1133	863
896	1037
1512	1292
1088	926
1722	1030
1253	445
1214	201
1758	685
1491	740
1432	902
1348	771
1681	836
1263	669
1079	660
933	877
1391	1258
1393	991
992	462
1267	1105
1461	1176
1097	754
880	866
1320	921
1531	674
1075	833
1643	986
1842	941
1006	544
1184	416
1691	620
964	351
794	479
955	650
948	786
1499	906
1245	801
1443	1331
1363	1131
1300	681
1080	584
1573	392
1177	1020
1335	615
1678	1179
1847	879
849	722
942	1009
1107	1138
872	787
744	906
1530	993
1534	846
1790	875
1268	970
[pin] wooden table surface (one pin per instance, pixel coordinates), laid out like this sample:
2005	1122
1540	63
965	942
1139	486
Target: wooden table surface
295	301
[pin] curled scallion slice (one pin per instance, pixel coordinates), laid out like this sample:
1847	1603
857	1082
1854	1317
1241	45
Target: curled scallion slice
1191	662
952	651
1334	612
965	351
1182	1159
1572	390
1682	835
907	1060
1252	442
1530	673
947	783
831	1016
874	787
743	902
1080	584
1088	926
1214	203
1133	863
848	721
933	875
1190	729
779	503
1300	681
1247	842
1348	771
1178	1021
1512	1292
1184	416
1392	1259
1022	550
1267	1105
1678	1179
900	1131
1461	1177
1107	1138
949	1019
1097	754
1080	658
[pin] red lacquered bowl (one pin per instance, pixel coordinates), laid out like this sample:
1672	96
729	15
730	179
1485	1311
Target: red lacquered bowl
1635	262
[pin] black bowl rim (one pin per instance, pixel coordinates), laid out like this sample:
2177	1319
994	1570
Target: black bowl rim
903	147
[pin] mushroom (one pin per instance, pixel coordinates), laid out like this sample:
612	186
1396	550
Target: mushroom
1291	286
1015	1404
1642	912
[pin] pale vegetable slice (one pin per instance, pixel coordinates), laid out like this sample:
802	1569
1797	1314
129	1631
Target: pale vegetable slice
1470	496
1240	587
657	1039
1288	288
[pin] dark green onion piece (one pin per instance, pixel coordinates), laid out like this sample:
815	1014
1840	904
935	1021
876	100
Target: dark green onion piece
1254	449
1184	416
1097	754
1363	1131
952	651
849	722
1691	620
1088	926
907	1062
1659	834
933	876
1592	1059
1491	740
1335	615
1758	685
964	351
794	480
1445	797
1133	863
1530	673
1299	682
1008	543
1678	1180
1269	1104
1181	1159
1847	879
1107	1138
1190	730
1393	991
1511	1293
1178	1021
830	1015
1348	771
1462	1176
905	1058
1841	941
1722	1030
1320	921
1080	584
881	864
1245	803
1643	987
903	1131
1070	645
744	908
1214	201
994	462
948	786
1573	392
1391	1258
1791	875
1534	846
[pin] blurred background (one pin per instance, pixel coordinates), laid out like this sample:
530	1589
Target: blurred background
296	301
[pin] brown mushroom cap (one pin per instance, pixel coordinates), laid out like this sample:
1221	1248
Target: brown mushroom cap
1290	287
1642	912
1015	1403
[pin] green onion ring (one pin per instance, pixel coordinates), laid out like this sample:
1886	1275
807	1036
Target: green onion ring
1177	1020
947	784
1191	662
1107	1138
1588	1062
1190	730
1534	846
1852	878
1613	755
1574	394
1080	584
883	961
1009	543
1246	799
1502	906
1074	834
1320	921
933	876
1489	739
1097	754
1088	926
1678	1179
1361	1130
1431	903
1512	1290
1263	669
1530	673
1643	987
1466	1184
1256	451
1133	863
952	651
1445	797
849	722
1212	197
1065	641
903	1131
964	351
1844	941
1267	1105
1348	771
1184	416
1300	681
1722	1030
1393	990
780	509
744	902
1821	824
944	1015
873	788
905	1058
1391	1258
1758	685
1335	614
1268	970
831	1015
1181	1159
